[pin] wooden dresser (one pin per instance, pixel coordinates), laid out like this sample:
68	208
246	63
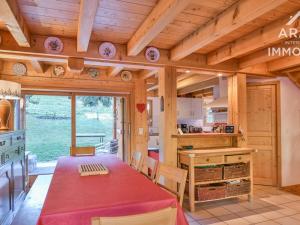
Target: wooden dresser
12	173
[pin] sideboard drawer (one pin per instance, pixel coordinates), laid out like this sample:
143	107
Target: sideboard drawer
237	158
209	159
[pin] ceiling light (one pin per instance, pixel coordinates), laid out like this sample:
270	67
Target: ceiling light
187	71
220	75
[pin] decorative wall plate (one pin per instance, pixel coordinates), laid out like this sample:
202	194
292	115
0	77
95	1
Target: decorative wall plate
107	50
58	71
53	45
93	72
126	75
19	69
152	54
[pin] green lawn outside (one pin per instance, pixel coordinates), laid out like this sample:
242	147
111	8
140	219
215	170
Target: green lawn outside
48	125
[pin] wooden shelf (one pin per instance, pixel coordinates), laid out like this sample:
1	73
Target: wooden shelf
220	181
199	135
217	199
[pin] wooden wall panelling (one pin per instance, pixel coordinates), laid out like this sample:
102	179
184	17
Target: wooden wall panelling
206	142
237	106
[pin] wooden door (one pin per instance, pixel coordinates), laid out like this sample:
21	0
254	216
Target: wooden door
120	102
262	131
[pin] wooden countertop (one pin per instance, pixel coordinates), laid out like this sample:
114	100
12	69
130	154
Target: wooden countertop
217	150
195	135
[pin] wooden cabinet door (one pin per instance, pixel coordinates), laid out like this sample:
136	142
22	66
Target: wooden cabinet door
196	105
184	108
262	131
5	192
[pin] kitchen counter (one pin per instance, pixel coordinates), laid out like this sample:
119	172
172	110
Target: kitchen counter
217	151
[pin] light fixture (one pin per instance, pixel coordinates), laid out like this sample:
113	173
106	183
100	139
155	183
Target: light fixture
187	71
8	90
220	75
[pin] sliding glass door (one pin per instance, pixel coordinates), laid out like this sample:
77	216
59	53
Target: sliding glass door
94	121
48	126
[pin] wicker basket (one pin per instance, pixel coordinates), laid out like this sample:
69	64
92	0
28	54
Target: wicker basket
238	188
236	170
207	173
210	192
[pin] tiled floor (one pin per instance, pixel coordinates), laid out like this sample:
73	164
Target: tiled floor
269	206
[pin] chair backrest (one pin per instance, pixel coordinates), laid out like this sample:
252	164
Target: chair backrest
173	174
81	151
165	216
136	160
149	167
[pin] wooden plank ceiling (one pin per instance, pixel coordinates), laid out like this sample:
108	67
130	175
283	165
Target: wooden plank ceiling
216	30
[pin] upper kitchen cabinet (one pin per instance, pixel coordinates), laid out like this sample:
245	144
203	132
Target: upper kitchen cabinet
189	108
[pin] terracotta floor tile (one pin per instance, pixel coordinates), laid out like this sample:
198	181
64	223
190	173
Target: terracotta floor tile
211	221
287	221
219	211
269	222
238	221
200	215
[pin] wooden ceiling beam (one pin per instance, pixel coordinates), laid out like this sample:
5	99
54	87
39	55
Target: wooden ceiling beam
114	71
193	79
38	66
87	14
258	57
231	19
258	69
283	63
14	21
92	57
146	74
198	86
163	13
260	38
154	87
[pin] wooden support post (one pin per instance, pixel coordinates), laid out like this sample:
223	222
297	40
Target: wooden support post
73	107
167	92
237	106
140	118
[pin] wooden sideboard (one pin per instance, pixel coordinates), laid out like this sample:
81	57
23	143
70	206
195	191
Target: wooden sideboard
12	173
192	159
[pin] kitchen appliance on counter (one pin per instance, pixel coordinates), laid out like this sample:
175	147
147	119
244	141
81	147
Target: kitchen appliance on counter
183	127
189	129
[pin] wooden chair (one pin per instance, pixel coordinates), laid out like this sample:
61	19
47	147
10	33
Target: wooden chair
175	175
150	166
136	160
165	216
82	151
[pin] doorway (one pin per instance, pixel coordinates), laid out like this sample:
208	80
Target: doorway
56	121
262	114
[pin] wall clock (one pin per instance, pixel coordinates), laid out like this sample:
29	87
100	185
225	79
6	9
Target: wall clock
126	75
58	71
53	45
19	69
107	50
152	54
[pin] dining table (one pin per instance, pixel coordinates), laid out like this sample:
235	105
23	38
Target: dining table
73	199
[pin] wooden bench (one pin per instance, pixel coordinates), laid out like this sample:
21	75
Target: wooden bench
30	209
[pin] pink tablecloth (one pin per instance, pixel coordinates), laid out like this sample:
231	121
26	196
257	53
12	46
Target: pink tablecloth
74	200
